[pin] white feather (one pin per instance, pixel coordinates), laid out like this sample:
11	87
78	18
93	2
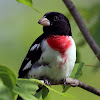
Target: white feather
28	65
36	46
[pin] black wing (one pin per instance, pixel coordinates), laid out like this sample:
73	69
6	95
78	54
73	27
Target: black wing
32	56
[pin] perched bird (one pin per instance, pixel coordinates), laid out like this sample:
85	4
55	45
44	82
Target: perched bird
53	54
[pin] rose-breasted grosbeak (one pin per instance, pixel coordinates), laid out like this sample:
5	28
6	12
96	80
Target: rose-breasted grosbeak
52	56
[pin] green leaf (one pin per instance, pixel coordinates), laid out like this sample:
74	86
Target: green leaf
27	84
8	77
45	93
24	94
25	88
5	93
76	73
28	3
66	88
38	94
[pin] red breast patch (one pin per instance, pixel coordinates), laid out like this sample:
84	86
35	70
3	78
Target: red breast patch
59	43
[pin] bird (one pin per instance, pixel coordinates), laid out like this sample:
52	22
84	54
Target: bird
52	56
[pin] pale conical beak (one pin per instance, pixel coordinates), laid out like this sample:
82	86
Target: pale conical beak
44	21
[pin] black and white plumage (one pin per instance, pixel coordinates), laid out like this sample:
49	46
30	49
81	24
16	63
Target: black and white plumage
53	54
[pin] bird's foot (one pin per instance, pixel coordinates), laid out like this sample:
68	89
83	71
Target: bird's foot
70	81
64	83
46	81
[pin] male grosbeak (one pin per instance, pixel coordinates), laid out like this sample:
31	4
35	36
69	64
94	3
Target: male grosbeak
53	54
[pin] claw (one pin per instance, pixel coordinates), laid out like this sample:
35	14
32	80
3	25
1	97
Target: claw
46	82
70	81
64	83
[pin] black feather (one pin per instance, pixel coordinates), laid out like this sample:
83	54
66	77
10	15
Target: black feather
31	55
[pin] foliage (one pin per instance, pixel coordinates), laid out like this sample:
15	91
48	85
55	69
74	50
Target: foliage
26	88
45	93
5	92
8	77
28	3
7	83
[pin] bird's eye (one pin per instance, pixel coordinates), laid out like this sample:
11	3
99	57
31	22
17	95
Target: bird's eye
56	18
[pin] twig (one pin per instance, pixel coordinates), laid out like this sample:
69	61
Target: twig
83	27
92	65
76	83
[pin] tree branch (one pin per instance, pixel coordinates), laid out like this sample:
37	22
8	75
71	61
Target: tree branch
76	83
83	27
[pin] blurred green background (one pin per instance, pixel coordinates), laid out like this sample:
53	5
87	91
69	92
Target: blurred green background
19	28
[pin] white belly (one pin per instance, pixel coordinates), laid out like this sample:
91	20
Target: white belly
52	65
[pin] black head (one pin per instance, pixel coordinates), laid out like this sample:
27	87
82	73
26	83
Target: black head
55	23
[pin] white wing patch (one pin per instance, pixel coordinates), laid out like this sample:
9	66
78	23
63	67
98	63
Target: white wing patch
28	65
36	46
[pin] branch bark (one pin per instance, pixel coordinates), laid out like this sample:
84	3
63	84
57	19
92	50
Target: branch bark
76	83
83	27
